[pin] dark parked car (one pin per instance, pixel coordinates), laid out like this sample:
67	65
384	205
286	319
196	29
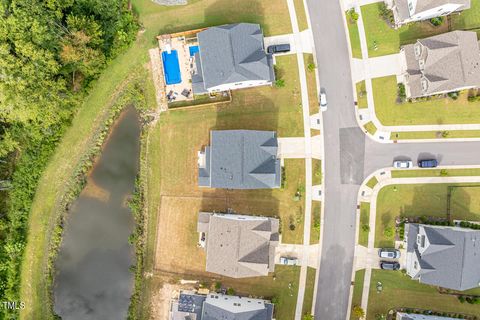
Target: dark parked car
431	163
389	265
278	48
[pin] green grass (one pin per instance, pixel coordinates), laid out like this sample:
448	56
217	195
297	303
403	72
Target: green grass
370	127
357	290
309	287
468	19
433	111
156	19
435	134
372	182
361	95
316	172
301	15
389	40
315	222
401	291
435	173
311	84
415	200
354	38
364	221
268	287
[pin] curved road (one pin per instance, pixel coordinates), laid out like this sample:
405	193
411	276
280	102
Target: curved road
350	156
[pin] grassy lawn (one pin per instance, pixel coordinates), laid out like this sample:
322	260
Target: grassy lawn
156	19
433	111
315	223
370	127
436	134
354	37
364	221
414	200
435	173
311	84
468	19
357	290
401	291
372	182
309	287
361	95
389	40
301	15
284	287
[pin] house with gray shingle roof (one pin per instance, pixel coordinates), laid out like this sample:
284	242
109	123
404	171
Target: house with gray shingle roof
240	159
405	11
230	57
238	246
447	257
415	316
216	306
441	64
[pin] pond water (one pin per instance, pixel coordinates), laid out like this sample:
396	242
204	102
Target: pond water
93	280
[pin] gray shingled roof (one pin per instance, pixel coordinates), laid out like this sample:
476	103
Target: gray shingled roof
451	61
402	12
414	316
451	258
241	159
239	246
233	53
222	307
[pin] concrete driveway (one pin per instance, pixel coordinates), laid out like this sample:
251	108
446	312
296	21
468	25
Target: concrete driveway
377	67
291	147
297	251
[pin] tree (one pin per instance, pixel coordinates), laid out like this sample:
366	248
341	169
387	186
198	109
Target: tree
307	317
358	312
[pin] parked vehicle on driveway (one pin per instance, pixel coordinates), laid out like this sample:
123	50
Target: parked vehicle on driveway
278	48
323	101
288	261
402	164
389	253
430	163
389	265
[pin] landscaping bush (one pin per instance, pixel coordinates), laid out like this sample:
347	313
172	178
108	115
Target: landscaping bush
453	95
358	312
353	15
386	14
311	67
402	94
279	83
230	291
307	317
437	21
389	232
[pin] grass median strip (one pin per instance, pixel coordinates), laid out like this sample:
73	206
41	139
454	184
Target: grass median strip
435	173
315	222
354	37
301	15
370	127
361	95
357	291
309	288
447	134
311	83
435	111
372	182
364	224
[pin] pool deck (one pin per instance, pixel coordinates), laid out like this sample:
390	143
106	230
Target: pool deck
186	64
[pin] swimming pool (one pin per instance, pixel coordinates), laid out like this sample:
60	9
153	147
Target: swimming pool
193	50
171	67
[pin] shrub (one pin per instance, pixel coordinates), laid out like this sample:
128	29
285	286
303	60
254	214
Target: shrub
436	21
307	317
311	67
353	15
365	227
443	172
358	312
218	285
402	94
474	98
453	95
386	14
389	233
279	83
230	291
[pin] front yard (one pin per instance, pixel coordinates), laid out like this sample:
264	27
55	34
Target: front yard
417	200
398	290
433	111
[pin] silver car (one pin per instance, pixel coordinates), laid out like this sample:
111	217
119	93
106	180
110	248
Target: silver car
402	164
389	253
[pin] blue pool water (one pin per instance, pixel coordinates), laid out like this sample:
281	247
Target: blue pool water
193	50
171	67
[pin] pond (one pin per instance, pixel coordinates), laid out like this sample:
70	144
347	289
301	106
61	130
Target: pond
93	280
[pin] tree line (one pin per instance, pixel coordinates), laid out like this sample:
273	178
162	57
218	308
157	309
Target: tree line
50	51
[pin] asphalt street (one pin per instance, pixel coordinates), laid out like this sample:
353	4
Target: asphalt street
350	156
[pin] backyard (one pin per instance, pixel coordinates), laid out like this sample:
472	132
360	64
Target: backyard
417	200
432	111
398	290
